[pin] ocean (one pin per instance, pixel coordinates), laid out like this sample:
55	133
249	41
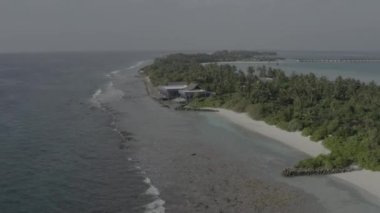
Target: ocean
59	152
78	133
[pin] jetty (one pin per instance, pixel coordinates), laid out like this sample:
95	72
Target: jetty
338	60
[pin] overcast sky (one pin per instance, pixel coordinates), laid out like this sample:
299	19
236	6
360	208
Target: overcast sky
49	25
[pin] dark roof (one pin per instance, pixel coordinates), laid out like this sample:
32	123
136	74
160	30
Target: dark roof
193	86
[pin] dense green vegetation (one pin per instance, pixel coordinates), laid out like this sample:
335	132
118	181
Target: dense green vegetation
344	113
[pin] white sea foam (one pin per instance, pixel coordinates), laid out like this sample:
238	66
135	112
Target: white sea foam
110	93
147	181
97	93
157	206
137	65
115	72
106	94
152	190
94	98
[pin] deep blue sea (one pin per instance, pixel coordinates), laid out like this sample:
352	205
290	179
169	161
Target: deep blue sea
58	153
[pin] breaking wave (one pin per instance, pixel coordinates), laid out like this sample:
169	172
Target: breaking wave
110	93
137	65
157	206
105	95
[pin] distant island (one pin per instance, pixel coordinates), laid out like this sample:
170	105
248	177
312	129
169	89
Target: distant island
344	113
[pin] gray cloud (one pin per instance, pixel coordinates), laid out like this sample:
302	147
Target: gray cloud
48	25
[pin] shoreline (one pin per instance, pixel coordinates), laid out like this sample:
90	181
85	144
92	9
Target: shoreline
366	180
292	139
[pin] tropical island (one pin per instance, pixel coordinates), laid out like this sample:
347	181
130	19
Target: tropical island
343	113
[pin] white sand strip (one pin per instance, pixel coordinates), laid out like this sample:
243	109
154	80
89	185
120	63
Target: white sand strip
292	139
364	179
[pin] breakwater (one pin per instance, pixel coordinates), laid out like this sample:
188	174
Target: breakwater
293	172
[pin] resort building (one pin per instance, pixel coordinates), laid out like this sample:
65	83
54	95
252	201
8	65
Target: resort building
193	90
175	90
171	90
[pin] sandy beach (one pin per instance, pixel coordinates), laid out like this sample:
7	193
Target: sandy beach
364	179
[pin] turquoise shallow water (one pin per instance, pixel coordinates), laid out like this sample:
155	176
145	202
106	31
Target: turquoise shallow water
366	72
363	71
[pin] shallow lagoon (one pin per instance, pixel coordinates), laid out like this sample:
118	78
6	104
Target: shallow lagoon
366	72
